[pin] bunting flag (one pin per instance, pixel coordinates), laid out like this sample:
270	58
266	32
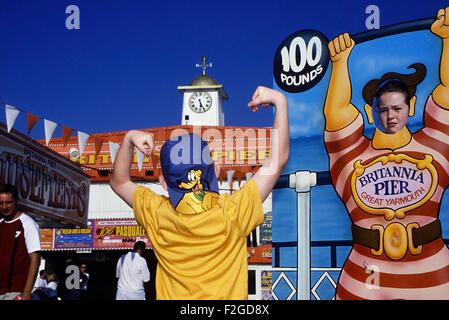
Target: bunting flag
113	148
98	145
31	119
66	134
239	178
82	140
230	174
11	116
220	178
140	157
49	127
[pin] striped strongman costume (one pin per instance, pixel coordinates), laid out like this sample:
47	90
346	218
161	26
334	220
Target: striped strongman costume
393	199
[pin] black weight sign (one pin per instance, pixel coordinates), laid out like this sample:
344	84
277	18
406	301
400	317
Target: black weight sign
301	61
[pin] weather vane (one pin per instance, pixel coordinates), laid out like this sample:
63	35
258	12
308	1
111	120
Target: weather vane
204	65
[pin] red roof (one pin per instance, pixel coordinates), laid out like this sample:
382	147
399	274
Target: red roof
242	149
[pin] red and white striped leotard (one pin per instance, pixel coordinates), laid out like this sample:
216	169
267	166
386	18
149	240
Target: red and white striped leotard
415	276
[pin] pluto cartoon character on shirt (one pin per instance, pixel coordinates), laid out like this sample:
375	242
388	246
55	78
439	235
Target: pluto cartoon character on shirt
391	184
198	199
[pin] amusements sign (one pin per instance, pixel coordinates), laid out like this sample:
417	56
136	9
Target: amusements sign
49	185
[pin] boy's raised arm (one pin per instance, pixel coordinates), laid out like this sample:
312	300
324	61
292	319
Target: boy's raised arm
268	174
120	180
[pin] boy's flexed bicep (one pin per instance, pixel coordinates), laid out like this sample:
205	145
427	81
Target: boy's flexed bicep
270	171
120	180
338	110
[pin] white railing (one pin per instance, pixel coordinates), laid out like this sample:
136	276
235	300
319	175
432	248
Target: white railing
283	277
286	277
302	182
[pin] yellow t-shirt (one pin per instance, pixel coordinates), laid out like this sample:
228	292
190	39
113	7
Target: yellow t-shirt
201	256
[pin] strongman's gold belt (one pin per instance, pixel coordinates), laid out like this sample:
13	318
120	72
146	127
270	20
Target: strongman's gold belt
395	238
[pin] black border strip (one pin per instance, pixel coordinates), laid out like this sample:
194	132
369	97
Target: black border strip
415	25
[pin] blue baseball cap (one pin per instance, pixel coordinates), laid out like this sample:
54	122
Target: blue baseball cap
187	167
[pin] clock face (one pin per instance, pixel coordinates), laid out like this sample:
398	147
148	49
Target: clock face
200	101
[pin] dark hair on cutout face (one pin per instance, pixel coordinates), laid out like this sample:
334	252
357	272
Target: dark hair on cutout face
394	86
405	83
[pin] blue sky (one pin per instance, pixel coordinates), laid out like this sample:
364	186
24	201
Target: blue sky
121	69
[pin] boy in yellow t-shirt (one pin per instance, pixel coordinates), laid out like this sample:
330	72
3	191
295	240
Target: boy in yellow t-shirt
199	236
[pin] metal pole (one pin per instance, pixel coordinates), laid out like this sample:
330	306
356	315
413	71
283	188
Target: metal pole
303	275
302	181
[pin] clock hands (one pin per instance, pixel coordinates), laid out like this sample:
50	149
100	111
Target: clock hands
201	105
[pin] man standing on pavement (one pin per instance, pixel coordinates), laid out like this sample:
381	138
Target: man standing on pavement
19	248
132	271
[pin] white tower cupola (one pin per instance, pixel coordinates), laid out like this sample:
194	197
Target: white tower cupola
203	100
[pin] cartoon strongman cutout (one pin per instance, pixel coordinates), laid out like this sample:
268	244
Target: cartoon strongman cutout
391	185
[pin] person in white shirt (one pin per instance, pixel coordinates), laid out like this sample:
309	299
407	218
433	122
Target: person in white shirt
52	287
132	271
20	247
41	281
39	284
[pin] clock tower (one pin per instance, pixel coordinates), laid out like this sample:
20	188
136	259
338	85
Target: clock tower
203	100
